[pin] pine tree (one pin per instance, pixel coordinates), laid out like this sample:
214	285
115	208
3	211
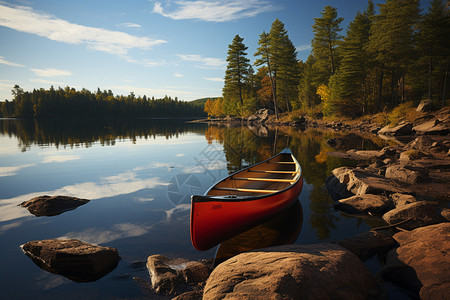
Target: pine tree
280	56
392	42
326	38
285	64
236	74
349	86
434	47
264	50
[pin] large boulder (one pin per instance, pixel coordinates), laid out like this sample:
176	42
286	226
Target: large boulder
367	244
414	215
345	182
403	128
52	205
405	173
422	263
175	276
318	271
76	260
363	204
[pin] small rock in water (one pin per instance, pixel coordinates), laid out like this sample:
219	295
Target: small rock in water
76	260
175	276
52	205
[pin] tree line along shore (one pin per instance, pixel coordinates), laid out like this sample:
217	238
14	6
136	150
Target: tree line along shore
384	60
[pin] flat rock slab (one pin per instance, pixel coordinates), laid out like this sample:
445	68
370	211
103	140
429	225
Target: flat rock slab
317	271
52	205
401	129
346	181
176	276
76	260
414	215
424	251
363	204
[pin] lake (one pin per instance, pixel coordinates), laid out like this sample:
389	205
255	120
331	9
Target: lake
139	175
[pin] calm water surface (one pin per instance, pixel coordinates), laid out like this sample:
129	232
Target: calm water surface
139	176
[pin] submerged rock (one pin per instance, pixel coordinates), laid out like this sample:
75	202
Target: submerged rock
421	263
318	271
175	276
367	244
52	205
76	260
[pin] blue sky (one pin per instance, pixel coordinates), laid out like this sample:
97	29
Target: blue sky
155	48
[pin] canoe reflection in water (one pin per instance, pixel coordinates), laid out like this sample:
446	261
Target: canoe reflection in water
282	229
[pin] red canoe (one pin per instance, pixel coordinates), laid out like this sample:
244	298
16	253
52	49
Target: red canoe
245	199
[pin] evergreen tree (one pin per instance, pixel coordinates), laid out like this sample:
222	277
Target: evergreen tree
285	65
326	38
279	55
392	43
264	50
434	48
237	72
349	88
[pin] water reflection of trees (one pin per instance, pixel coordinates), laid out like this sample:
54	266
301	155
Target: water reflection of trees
243	147
83	133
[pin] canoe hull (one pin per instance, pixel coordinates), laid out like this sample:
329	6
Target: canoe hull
216	218
215	221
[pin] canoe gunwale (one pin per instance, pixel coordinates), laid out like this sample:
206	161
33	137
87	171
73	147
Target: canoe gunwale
236	198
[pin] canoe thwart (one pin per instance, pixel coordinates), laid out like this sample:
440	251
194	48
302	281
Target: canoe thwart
246	190
263	179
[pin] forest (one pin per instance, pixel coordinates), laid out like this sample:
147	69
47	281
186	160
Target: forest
70	103
386	59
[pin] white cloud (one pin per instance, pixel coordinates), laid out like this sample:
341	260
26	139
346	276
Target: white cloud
304	47
216	79
131	25
11	171
25	19
178	75
49	72
215	11
38	80
180	155
8	63
99	236
59	158
204	61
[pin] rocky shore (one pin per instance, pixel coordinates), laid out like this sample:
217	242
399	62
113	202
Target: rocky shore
405	185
